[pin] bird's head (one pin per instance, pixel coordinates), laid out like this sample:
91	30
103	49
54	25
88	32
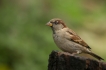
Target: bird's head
56	24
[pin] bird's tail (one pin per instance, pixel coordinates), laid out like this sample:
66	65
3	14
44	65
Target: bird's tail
96	56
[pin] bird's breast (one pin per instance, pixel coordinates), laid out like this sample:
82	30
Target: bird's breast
66	45
62	42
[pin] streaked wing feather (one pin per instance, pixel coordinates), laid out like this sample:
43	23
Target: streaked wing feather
74	37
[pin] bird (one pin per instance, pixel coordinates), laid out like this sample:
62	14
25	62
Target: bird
67	40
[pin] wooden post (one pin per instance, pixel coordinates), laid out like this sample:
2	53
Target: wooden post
65	61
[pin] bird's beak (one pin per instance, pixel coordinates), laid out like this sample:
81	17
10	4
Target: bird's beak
49	24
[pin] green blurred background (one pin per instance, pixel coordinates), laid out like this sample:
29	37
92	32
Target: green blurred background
25	41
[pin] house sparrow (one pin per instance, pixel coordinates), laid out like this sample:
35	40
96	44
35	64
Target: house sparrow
67	40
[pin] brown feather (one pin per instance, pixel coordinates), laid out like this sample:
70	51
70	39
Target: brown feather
96	56
77	39
62	23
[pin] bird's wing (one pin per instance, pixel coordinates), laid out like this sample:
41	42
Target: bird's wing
75	38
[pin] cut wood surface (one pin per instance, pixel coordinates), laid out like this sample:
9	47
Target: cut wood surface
66	61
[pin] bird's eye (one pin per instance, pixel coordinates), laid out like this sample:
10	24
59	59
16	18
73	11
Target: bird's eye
56	22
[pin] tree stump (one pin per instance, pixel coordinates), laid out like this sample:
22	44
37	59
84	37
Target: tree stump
66	61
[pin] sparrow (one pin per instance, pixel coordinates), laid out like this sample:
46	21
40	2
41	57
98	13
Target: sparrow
67	40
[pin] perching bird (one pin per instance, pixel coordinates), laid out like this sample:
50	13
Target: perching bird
67	40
